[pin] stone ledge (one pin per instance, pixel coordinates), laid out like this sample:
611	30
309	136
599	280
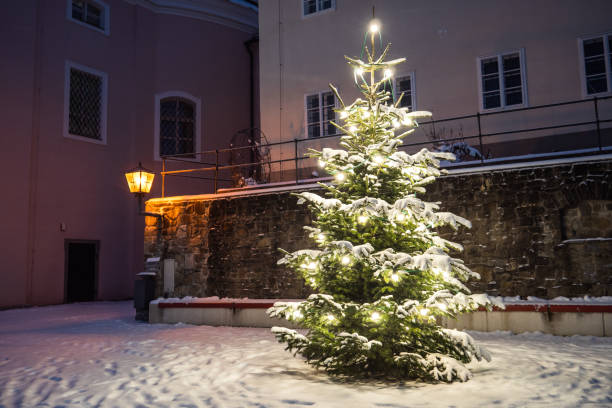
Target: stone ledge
557	319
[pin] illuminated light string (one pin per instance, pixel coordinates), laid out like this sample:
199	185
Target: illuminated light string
345	260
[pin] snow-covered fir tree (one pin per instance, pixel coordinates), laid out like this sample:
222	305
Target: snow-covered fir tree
381	271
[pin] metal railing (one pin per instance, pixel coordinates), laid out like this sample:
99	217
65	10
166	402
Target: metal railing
217	168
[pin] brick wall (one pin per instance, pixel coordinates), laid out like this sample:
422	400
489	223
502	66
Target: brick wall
533	234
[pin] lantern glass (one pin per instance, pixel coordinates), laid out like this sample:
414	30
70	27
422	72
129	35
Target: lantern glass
139	180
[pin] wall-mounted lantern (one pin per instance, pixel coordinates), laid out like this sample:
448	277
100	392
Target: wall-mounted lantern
140	181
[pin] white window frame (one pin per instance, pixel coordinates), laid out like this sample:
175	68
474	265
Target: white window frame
318	12
502	89
105	16
104	108
607	50
413	100
198	118
320	93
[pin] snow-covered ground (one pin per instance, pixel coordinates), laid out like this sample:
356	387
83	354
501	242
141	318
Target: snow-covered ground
95	354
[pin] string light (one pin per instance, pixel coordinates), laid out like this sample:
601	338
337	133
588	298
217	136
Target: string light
362	219
321	237
374	26
340	177
378	159
358	71
343	114
345	260
395	124
375	316
400	217
395	277
312	265
424	312
387	73
321	163
330	317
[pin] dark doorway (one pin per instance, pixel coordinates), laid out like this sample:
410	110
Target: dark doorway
81	270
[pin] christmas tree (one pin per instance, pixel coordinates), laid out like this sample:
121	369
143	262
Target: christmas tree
381	271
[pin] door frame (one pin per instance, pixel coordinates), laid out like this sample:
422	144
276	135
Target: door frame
96	243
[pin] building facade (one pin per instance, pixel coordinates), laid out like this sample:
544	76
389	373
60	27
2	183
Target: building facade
89	89
483	59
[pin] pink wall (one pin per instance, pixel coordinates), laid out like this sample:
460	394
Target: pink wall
81	184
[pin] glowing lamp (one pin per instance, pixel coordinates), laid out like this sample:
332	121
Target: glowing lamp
139	180
374	26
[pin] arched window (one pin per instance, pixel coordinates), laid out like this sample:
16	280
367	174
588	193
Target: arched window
177	124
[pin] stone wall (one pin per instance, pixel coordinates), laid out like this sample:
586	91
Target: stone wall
542	231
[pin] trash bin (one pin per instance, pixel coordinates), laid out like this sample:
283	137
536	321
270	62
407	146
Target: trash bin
144	289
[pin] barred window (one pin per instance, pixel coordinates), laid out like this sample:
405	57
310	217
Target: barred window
319	112
177	126
92	13
86	104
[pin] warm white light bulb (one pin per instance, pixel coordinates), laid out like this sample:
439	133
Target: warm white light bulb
400	217
344	115
395	277
375	316
387	73
345	260
374	27
312	265
362	219
358	71
424	312
395	124
407	121
352	129
321	237
340	177
331	317
378	159
321	163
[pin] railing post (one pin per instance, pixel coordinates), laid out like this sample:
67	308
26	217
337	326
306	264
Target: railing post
297	166
597	122
216	170
480	138
163	177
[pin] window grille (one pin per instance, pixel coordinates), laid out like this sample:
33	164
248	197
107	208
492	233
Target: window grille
85	108
597	54
319	112
502	81
177	127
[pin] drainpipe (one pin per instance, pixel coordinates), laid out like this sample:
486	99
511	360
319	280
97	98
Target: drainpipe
247	44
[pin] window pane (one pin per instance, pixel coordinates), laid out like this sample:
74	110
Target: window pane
404	86
596	84
185	110
94	15
78	10
511	62
489	66
313	116
491	101
328	98
314	130
514	97
325	4
310	6
85	105
168	109
593	47
312	101
490	84
329	129
328	114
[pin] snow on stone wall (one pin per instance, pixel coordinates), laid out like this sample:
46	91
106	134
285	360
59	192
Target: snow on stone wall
524	240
